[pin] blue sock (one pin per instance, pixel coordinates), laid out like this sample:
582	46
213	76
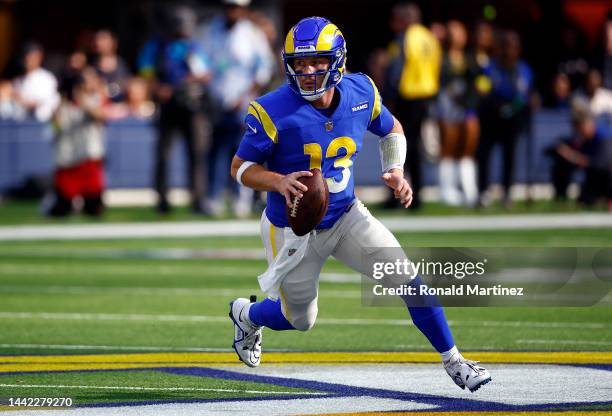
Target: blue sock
430	319
268	313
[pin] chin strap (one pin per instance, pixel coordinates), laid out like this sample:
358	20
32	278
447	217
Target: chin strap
392	148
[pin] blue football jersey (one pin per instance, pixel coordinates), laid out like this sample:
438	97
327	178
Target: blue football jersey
288	134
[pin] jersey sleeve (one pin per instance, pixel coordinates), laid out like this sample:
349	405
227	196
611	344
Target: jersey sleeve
259	138
383	124
381	120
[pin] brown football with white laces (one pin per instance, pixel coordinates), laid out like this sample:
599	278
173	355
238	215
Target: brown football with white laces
308	211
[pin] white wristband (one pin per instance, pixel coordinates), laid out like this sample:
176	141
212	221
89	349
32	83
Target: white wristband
245	165
392	149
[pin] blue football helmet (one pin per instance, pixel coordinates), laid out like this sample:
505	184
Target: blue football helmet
315	36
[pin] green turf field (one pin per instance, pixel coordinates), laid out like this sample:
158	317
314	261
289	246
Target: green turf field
120	387
29	212
142	298
99	295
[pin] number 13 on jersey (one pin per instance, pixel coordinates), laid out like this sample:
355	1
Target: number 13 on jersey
344	162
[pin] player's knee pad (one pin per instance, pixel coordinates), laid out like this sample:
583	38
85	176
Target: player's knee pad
304	318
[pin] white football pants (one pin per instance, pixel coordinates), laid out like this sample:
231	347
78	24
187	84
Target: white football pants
355	234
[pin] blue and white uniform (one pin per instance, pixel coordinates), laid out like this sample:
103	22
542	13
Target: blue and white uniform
288	134
285	132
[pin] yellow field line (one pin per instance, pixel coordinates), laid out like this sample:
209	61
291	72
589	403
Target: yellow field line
149	360
596	357
38	409
594	413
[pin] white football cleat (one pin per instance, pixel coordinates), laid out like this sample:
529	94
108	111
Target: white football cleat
247	337
467	373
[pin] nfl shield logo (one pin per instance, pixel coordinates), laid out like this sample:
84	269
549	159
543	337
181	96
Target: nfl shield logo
291	251
329	125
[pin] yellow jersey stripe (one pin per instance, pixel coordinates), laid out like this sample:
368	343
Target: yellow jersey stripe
326	37
376	109
254	113
257	111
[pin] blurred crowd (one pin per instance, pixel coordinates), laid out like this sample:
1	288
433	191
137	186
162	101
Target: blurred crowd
192	79
459	92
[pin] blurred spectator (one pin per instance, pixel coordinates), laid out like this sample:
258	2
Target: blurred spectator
109	65
573	62
600	98
266	25
76	63
439	30
269	29
459	126
484	44
36	89
413	82
484	49
9	109
137	103
178	71
607	77
242	64
377	65
503	112
79	146
589	149
380	58
561	89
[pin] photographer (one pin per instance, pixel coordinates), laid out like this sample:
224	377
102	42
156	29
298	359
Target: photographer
178	72
588	149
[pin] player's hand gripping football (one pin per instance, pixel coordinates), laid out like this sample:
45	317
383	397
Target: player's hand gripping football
395	180
289	186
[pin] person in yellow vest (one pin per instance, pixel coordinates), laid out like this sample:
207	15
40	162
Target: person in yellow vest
413	81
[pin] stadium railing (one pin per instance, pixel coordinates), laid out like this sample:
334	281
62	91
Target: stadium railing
26	149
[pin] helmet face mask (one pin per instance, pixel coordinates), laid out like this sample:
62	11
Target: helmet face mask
314	37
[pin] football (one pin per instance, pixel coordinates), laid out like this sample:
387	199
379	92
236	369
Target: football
308	211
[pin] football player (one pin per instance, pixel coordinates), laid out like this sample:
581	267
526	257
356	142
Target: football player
318	120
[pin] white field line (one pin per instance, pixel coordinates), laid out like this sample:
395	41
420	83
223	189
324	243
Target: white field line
126	348
517	274
112	317
72	347
158	291
322	321
112	347
154	270
131	270
138	388
251	228
561	341
146	253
